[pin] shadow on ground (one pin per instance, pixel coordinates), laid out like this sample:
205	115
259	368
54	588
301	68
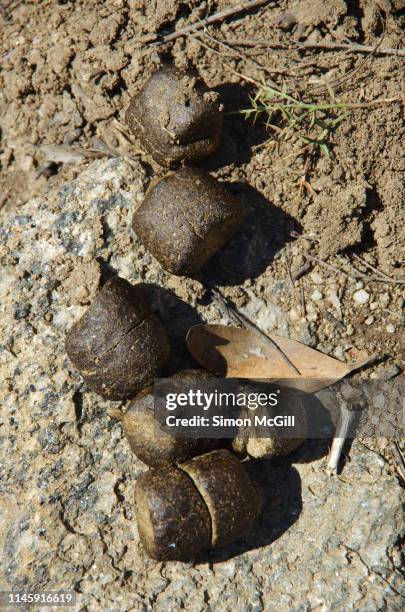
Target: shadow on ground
280	486
177	317
265	231
241	134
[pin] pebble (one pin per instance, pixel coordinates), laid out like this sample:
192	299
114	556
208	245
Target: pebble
308	336
295	314
350	330
316	296
390	328
316	278
369	320
361	296
384	300
339	353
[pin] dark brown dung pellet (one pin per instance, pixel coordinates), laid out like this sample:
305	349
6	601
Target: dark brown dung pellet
118	345
176	117
247	445
173	520
230	496
147	439
185	218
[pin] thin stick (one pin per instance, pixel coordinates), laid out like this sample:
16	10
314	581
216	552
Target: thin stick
400	459
338	82
328	46
156	39
384	276
339	440
274	85
323	263
380	278
239	74
246	58
241	319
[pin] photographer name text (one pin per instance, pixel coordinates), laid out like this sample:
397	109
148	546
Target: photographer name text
220	421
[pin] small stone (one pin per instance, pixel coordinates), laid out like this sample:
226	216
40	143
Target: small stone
374	306
390	329
316	278
316	296
359	285
335	301
308	336
295	315
361	296
369	320
384	300
349	330
339	353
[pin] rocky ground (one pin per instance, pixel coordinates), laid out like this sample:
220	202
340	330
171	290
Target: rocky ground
67	72
68	473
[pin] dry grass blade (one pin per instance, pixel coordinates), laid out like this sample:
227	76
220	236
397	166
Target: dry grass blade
231	11
327	46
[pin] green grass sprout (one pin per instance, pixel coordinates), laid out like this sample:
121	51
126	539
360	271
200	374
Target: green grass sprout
312	123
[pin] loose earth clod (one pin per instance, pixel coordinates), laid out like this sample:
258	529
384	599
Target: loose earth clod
176	117
149	442
185	218
118	345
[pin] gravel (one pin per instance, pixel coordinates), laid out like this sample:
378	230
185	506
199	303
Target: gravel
361	296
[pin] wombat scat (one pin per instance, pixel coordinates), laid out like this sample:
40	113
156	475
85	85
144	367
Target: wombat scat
176	117
207	501
118	345
152	445
185	218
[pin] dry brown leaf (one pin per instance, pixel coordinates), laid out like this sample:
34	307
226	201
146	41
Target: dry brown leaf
234	352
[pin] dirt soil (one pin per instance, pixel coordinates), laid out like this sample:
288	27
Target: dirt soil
69	68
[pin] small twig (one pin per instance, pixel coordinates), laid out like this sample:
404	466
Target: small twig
246	58
157	39
328	46
378	278
324	263
239	74
384	277
290	277
356	274
399	459
302	294
368	265
338	82
346	419
237	317
301	271
310	237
